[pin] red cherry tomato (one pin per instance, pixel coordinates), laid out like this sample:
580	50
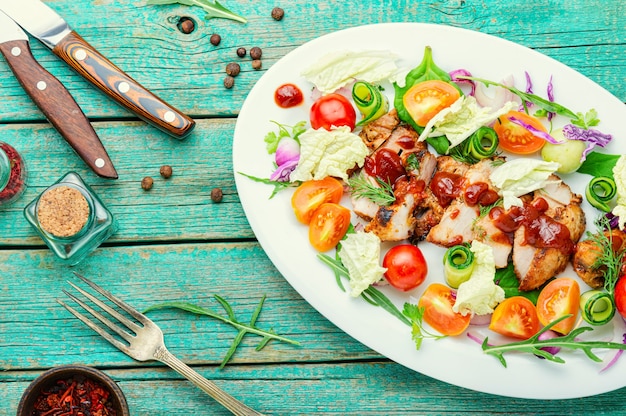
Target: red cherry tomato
619	295
332	110
406	267
437	302
558	298
515	317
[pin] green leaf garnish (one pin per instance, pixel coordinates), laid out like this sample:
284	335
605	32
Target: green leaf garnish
213	9
243	328
534	345
360	187
418	332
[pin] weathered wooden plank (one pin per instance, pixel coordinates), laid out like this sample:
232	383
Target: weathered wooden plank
187	70
33	280
385	388
179	208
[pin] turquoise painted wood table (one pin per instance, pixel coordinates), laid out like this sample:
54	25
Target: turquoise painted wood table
175	243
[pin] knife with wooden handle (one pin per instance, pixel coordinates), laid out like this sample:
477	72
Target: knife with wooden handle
50	28
53	99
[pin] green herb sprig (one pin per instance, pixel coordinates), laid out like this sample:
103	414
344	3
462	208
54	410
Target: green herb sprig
609	260
278	185
371	294
360	187
213	9
534	345
243	328
547	105
418	332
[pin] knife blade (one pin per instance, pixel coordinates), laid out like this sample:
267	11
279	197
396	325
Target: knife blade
51	29
53	99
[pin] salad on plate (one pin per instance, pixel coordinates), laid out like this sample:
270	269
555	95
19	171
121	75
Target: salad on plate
391	160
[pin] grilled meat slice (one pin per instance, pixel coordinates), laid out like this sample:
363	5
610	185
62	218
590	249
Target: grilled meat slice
588	253
534	265
455	226
485	231
396	221
374	134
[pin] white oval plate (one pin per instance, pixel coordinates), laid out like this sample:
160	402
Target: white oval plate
457	360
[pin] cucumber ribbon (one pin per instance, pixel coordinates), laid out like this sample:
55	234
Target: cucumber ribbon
597	307
600	191
458	264
370	101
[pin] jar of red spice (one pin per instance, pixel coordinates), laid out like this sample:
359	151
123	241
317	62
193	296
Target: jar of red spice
12	174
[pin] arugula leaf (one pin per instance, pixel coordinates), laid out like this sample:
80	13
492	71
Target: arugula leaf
230	319
534	345
278	186
547	105
213	9
599	164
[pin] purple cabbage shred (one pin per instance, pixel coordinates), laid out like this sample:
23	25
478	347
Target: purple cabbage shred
591	137
542	134
550	96
464	72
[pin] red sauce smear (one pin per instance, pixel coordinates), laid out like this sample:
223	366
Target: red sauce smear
540	230
288	95
446	187
386	165
479	194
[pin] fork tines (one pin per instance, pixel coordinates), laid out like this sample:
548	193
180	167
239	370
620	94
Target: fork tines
132	326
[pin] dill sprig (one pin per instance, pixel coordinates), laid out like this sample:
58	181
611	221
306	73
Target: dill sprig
609	259
380	195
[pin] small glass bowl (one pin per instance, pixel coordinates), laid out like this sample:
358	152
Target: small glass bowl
53	376
70	240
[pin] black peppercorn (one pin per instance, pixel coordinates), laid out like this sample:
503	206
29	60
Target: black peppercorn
256	52
186	25
241	52
233	69
278	13
256	64
166	171
146	183
216	195
215	39
229	82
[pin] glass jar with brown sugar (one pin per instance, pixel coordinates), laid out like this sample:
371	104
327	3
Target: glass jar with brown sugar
70	218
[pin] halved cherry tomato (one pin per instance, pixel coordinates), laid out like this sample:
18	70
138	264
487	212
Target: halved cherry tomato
515	138
406	267
332	110
311	194
329	224
425	99
437	302
558	298
619	296
515	317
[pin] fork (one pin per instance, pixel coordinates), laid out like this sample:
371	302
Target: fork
146	343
